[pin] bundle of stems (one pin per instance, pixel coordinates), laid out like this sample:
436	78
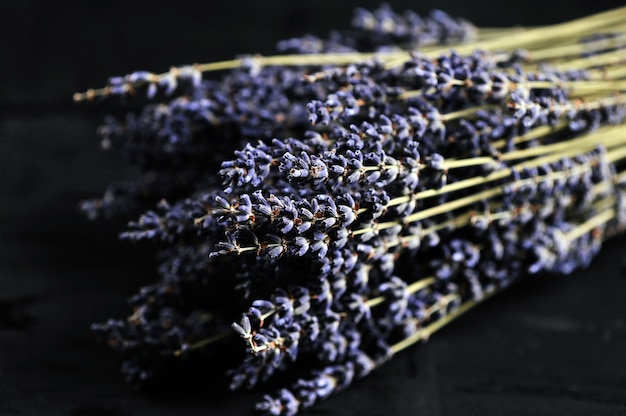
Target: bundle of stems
380	187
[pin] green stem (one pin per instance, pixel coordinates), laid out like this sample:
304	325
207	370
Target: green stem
425	332
412	288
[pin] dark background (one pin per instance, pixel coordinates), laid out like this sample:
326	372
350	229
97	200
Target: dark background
550	346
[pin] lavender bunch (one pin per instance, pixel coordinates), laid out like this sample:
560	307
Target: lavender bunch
373	194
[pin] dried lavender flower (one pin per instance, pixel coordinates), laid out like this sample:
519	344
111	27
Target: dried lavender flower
355	203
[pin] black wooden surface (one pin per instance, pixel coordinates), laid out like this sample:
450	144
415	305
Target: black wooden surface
550	346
